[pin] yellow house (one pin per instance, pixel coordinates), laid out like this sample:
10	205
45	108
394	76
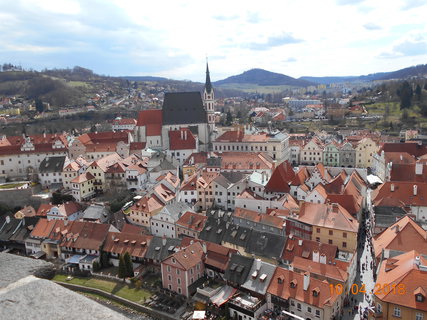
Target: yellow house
331	224
99	167
365	150
205	190
401	288
83	187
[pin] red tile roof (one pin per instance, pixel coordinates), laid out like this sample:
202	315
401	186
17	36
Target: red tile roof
152	120
280	179
44	209
280	286
303	248
181	139
83	178
404	235
411	148
322	270
254	216
84	235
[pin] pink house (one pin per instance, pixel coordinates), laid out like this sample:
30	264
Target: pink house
183	268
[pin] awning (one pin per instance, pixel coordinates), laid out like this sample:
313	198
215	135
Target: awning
372	179
223	295
199	315
38	254
74	259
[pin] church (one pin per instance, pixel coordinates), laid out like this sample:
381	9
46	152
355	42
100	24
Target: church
180	110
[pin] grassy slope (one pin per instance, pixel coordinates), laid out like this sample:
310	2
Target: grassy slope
120	289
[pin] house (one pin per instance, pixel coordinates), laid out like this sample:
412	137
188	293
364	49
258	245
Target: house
99	168
365	150
280	179
20	156
227	186
182	143
400	237
72	170
302	295
159	249
238	269
50	171
412	197
27	211
182	269
95	213
347	155
406	274
83	187
245	306
14	232
190	224
67	211
259	278
330	223
142	210
312	152
122	124
164	222
118	243
331	154
188	191
258	221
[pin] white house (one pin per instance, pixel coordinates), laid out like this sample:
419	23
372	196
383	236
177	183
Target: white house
164	223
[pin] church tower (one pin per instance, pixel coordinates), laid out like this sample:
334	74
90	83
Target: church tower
209	101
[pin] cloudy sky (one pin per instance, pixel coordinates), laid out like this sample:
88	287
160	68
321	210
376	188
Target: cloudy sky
172	38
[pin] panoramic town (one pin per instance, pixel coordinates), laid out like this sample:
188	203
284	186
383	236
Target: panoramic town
255	197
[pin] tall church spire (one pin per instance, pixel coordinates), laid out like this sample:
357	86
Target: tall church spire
208	84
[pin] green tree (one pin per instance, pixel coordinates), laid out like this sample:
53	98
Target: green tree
105	259
405	93
96	266
129	265
39	105
418	92
229	118
122	268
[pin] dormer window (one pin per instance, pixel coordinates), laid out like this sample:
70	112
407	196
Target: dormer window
173	260
280	279
419	297
294	283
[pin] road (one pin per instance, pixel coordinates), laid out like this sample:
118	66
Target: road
364	278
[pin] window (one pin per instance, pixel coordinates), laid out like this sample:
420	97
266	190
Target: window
419	316
344	234
330	241
177	271
344	244
317	313
179	281
169	278
299	306
396	312
379	308
331	232
317	239
318	230
169	268
292	303
309	309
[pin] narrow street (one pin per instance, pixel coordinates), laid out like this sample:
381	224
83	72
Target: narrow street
365	273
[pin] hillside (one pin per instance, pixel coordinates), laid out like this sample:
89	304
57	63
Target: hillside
414	71
262	77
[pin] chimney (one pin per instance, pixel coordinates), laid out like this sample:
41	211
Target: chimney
323	258
415	189
392	187
182	134
258	264
185	135
300	242
163	241
418	168
417	261
306	280
316	256
204	247
396	228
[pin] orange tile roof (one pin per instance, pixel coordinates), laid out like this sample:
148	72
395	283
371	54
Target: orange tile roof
296	247
44	209
193	221
135	244
84	235
249	194
280	286
331	216
254	216
190	183
83	178
403	270
148	204
322	270
404	191
188	257
404	235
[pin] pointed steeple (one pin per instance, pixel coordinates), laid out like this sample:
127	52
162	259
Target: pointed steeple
208	84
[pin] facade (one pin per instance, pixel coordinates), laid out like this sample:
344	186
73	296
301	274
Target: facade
181	269
163	223
347	155
312	152
20	156
50	171
365	150
142	210
331	155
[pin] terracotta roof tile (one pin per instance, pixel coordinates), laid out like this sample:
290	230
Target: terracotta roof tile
280	179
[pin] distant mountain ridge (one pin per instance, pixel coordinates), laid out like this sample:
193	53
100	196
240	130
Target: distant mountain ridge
263	77
145	78
414	71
